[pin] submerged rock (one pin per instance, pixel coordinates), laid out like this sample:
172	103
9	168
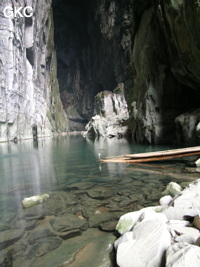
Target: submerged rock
108	226
92	248
68	222
6	258
27	225
9	237
44	246
35	235
35	200
103	194
99	219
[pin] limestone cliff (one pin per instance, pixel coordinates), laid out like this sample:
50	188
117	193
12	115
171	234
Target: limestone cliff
151	46
29	92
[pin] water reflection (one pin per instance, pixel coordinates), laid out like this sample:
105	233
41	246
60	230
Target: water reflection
28	168
24	169
106	147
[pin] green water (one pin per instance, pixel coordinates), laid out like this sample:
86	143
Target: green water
55	164
27	169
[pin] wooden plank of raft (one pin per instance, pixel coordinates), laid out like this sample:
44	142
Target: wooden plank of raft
165	152
125	159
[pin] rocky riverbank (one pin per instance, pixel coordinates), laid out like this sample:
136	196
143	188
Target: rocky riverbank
166	235
76	225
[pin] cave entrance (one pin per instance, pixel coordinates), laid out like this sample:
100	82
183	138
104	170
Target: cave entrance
84	59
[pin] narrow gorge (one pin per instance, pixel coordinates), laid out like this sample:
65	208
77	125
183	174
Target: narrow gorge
53	64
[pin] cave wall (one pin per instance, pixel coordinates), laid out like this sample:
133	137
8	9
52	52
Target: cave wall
150	46
93	44
53	65
29	92
166	78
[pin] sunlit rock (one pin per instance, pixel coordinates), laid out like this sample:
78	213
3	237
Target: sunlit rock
30	102
33	201
183	230
149	243
129	220
111	114
187	238
172	189
197	162
183	255
165	201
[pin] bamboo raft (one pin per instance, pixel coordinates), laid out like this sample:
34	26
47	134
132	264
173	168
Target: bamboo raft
154	156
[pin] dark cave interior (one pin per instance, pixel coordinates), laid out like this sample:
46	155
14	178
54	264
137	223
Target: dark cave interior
88	62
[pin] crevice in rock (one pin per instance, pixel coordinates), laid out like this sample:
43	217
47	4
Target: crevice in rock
30	55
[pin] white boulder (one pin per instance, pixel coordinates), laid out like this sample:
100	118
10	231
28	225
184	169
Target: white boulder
172	189
149	243
150	214
34	200
182	230
183	255
187	238
197	162
128	236
166	200
130	219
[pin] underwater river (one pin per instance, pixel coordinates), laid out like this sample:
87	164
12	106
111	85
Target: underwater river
68	169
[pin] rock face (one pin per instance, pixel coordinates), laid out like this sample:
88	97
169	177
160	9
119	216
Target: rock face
111	114
167	76
152	47
29	93
95	56
188	127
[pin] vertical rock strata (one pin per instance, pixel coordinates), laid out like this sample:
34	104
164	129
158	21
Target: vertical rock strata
151	46
29	92
166	73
